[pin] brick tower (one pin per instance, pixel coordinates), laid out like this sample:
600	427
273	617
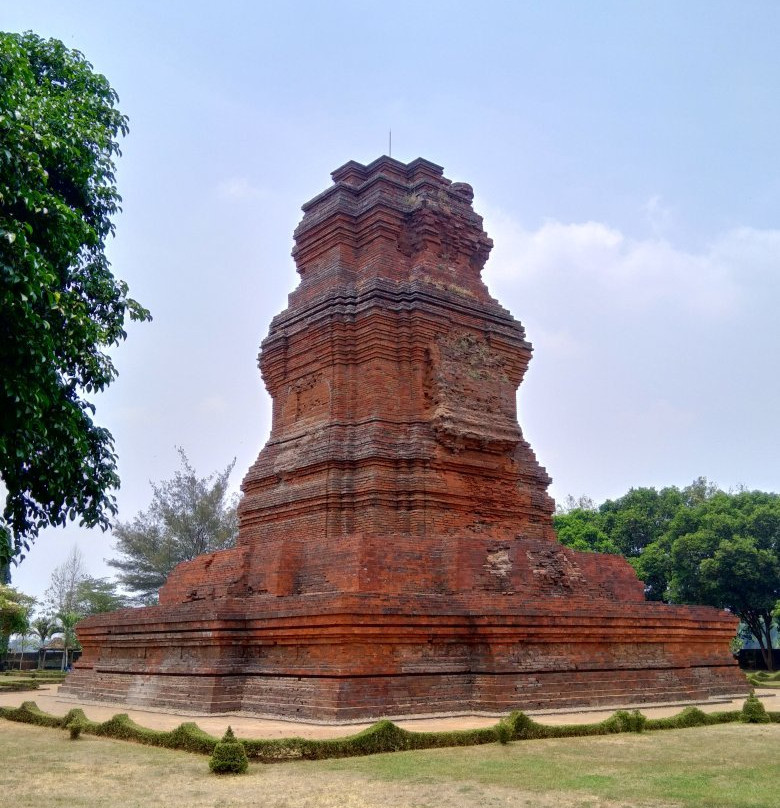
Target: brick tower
396	552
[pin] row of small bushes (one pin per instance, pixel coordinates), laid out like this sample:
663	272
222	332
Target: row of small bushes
15	685
383	736
40	675
48	674
14	681
188	736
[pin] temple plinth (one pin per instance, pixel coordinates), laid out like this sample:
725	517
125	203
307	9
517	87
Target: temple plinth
396	553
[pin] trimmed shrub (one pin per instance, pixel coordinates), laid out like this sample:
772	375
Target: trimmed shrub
503	732
383	736
229	756
623	721
123	727
753	711
524	727
29	713
17	685
692	717
188	736
191	738
76	714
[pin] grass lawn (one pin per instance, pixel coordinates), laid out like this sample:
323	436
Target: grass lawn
726	765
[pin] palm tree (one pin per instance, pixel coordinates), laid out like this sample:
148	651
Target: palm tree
23	637
44	628
68	621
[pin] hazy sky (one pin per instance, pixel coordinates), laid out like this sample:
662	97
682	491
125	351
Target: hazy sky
625	157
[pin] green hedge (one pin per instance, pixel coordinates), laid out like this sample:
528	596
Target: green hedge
15	681
383	736
15	685
187	736
35	673
764	679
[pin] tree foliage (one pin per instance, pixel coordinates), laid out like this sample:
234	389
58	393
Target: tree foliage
581	529
693	545
72	590
67	627
61	307
189	515
629	524
639	517
725	552
43	628
62	592
15	611
98	595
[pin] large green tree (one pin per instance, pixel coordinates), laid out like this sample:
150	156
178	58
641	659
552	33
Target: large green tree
15	611
61	307
189	515
639	517
582	529
691	545
629	524
98	595
725	551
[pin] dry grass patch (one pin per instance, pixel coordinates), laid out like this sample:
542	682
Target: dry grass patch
734	765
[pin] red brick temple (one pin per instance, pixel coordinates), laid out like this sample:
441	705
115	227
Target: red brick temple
396	553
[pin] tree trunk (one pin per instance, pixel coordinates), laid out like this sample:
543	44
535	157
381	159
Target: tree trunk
768	655
760	625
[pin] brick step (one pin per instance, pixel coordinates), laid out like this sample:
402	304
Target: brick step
359	698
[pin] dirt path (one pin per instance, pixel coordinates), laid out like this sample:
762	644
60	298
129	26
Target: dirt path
48	699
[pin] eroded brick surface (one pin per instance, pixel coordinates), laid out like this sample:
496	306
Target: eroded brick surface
396	552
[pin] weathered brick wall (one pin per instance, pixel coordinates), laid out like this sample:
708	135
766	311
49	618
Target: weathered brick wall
341	656
396	551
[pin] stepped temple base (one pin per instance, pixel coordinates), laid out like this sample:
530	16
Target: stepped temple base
396	552
352	656
442	663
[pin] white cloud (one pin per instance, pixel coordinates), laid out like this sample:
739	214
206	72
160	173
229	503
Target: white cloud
650	359
753	253
658	216
594	262
239	188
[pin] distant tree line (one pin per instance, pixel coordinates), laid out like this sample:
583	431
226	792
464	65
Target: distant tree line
697	544
71	595
189	515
